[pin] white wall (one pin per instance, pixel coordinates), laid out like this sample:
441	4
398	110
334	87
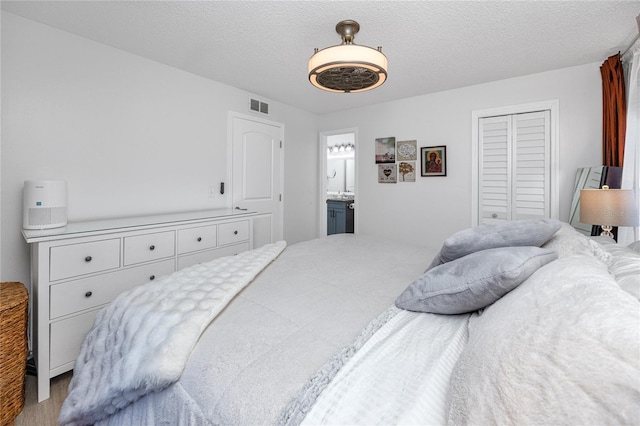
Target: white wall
131	136
432	208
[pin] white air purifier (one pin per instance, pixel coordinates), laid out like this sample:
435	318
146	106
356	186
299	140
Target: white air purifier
44	204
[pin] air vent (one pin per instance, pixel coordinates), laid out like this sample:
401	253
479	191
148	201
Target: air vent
259	106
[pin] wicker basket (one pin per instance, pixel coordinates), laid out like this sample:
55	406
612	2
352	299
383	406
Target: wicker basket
13	349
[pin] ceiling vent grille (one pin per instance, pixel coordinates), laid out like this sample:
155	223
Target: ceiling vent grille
259	106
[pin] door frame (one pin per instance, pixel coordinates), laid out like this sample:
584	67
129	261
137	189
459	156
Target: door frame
322	178
554	107
231	116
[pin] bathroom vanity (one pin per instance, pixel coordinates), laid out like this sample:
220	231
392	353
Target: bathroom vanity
339	216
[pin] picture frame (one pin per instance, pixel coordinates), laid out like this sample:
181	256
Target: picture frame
407	171
407	150
387	173
385	150
433	160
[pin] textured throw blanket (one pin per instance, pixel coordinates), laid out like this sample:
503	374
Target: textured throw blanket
141	342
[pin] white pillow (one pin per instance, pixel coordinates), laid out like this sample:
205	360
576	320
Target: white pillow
635	246
567	241
625	267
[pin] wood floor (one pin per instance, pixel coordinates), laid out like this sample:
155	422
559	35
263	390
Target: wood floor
45	413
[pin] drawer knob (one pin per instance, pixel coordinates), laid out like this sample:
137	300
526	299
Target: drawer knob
152	247
199	239
235	232
495	215
88	259
88	294
152	277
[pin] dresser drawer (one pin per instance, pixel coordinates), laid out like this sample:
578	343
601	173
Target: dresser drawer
206	256
66	338
199	238
74	296
79	259
147	247
233	232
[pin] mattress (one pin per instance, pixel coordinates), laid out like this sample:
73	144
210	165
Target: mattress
255	356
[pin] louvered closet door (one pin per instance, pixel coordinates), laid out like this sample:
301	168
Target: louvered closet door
495	169
532	161
514	167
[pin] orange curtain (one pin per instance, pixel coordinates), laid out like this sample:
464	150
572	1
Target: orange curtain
614	112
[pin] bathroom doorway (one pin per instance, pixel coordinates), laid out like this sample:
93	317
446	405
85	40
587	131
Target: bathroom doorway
338	192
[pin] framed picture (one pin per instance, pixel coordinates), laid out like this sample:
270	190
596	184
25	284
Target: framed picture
407	150
407	169
433	160
385	150
387	173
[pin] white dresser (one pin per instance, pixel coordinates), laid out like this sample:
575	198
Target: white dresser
78	269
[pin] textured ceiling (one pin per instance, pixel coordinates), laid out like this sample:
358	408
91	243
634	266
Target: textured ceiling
263	46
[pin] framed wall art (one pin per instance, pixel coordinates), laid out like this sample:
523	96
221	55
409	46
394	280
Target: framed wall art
433	160
407	169
407	150
385	150
387	173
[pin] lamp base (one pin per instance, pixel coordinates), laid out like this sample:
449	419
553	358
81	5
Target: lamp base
606	231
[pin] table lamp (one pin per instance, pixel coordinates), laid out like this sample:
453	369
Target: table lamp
608	208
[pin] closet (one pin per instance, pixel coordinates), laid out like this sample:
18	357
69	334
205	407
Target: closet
514	174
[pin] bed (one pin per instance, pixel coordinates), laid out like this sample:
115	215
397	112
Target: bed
527	322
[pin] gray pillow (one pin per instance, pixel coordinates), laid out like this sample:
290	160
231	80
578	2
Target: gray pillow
512	233
474	281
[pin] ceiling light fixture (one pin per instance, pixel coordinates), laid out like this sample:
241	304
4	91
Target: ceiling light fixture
347	67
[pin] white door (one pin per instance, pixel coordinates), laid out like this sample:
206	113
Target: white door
515	164
257	174
514	167
348	169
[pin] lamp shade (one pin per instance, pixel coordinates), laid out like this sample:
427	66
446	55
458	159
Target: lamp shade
614	207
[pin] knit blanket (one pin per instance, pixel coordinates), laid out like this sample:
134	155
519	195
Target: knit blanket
141	342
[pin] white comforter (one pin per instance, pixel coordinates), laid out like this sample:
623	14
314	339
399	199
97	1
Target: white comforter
562	348
279	331
131	352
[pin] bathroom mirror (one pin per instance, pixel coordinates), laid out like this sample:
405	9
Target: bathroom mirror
340	165
340	175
